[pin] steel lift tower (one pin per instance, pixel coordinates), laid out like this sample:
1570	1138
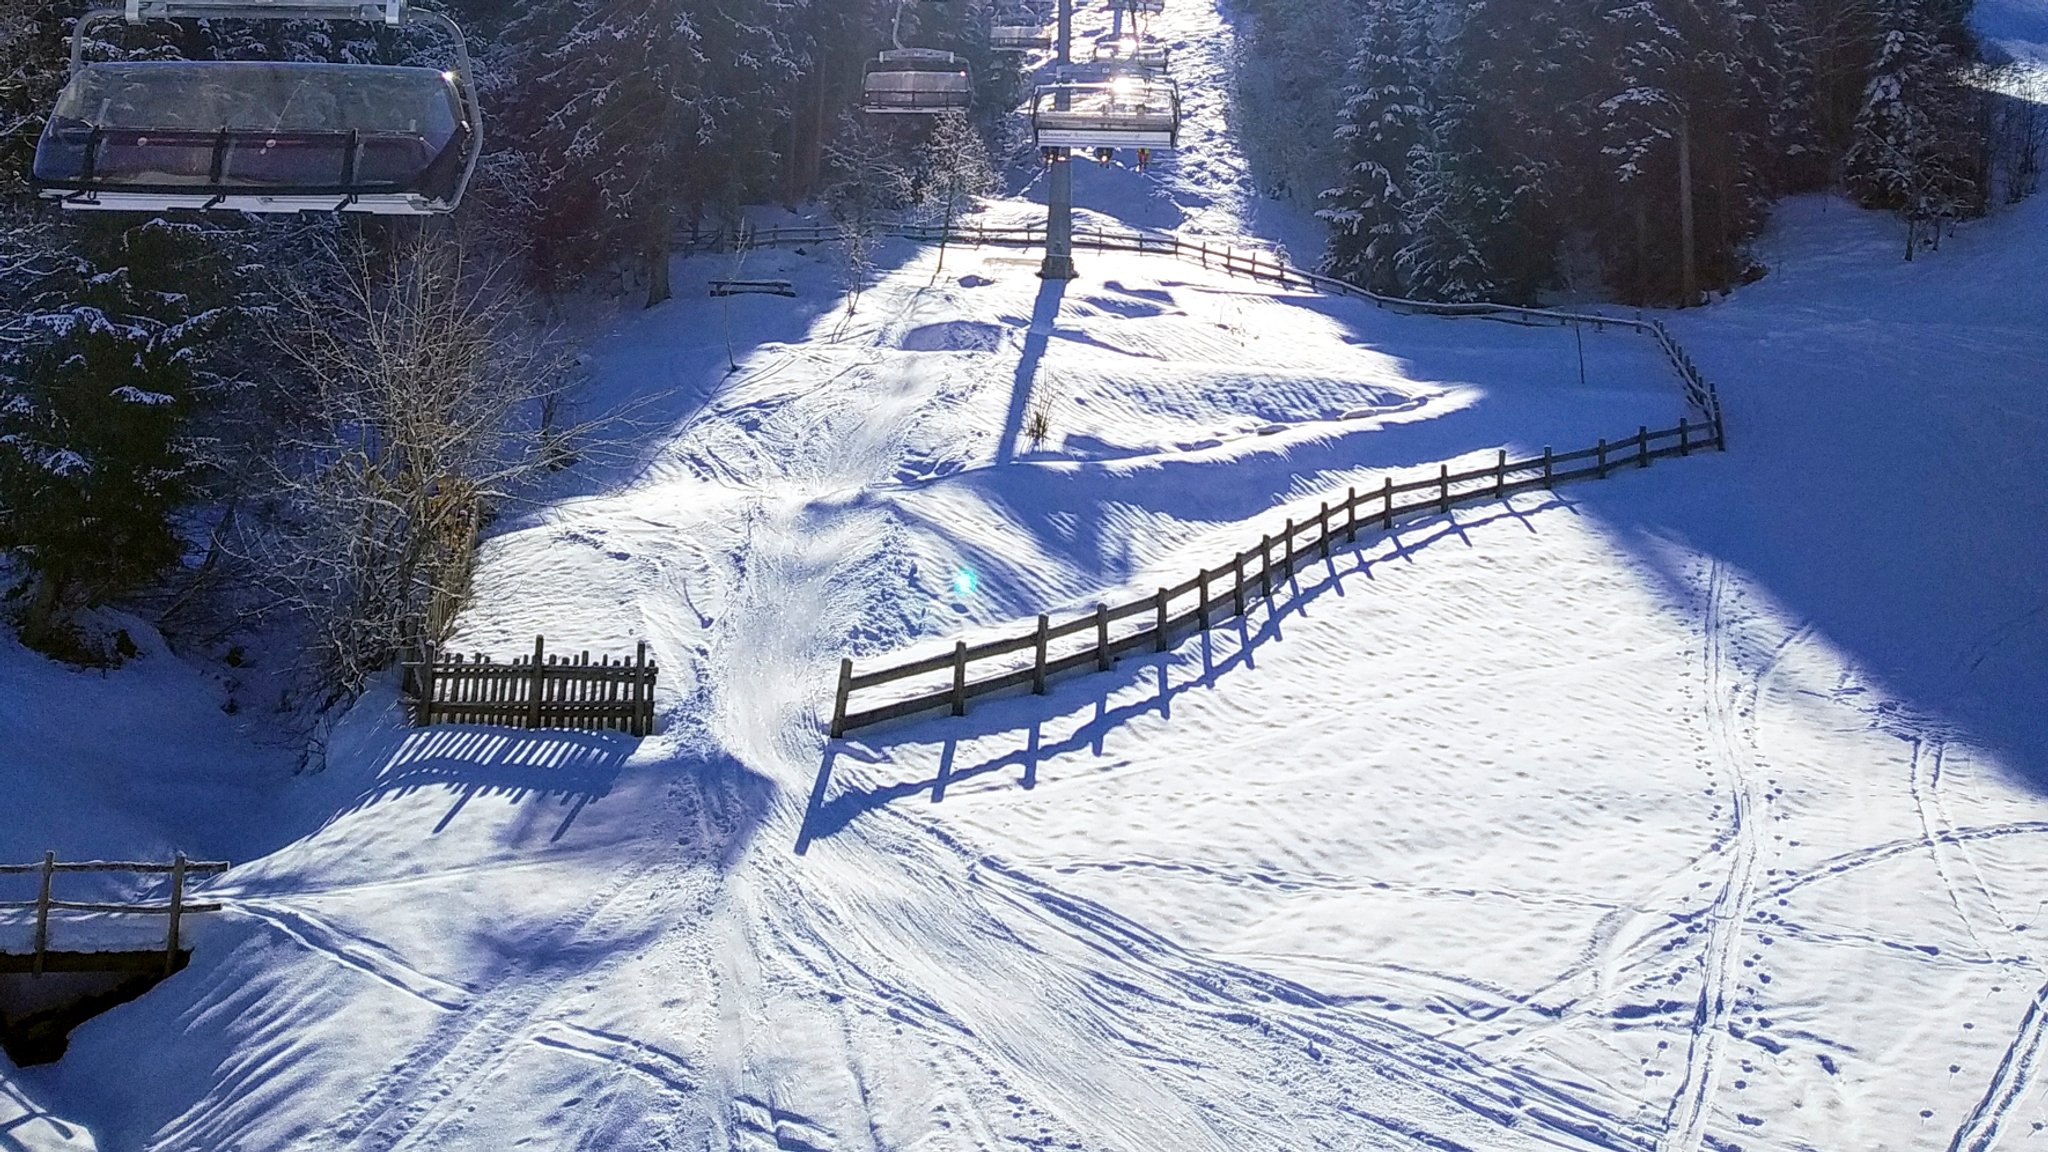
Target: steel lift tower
1059	225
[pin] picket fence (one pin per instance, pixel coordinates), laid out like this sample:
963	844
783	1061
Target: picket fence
540	691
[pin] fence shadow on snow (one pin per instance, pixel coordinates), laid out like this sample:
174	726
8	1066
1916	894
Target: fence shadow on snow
572	768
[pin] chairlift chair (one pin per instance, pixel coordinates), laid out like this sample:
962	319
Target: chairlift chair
1138	7
1019	33
1130	111
253	136
916	81
1130	54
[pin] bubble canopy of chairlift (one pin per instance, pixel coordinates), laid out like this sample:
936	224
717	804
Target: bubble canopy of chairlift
917	81
261	137
1121	112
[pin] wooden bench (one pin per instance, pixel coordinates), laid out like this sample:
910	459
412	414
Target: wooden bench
752	288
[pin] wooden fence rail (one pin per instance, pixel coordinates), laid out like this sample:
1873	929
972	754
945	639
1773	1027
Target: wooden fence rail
178	869
1237	260
1223	592
540	691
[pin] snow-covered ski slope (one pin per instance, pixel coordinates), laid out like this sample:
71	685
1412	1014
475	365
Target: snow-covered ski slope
1699	809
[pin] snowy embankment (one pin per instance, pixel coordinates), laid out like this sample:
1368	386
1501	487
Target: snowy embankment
1697	809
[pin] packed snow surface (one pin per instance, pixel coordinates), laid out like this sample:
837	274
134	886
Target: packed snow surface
1696	809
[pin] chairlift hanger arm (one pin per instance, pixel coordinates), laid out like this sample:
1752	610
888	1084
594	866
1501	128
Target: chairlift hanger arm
388	12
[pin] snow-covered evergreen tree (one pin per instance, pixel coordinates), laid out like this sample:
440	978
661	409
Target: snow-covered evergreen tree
607	86
1913	146
1385	120
96	444
1455	213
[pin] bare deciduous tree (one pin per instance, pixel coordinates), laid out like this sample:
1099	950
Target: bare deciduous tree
426	399
870	185
956	170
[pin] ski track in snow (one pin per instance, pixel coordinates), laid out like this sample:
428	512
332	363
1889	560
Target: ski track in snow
353	951
1731	693
2014	1076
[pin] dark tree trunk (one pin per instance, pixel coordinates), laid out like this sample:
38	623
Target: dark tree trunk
658	242
44	619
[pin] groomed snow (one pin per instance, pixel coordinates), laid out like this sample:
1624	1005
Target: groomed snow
1698	809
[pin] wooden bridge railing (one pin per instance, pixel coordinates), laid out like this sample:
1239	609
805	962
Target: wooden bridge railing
45	902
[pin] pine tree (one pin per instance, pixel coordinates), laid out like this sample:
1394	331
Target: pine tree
96	444
1524	66
1385	120
606	87
1455	214
1913	144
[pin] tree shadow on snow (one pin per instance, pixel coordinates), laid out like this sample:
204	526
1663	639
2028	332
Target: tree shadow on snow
1107	697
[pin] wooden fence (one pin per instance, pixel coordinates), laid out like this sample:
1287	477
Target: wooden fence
540	691
1092	641
1097	648
1238	260
45	903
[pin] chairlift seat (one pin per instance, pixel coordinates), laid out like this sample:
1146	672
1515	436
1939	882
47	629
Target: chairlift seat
255	136
917	81
1138	7
1125	112
1134	55
1020	37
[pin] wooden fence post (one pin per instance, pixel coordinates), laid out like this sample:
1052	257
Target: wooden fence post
1102	637
1603	458
1159	626
1323	529
643	692
959	677
1266	567
1642	445
1500	476
1038	665
1351	515
1203	613
1237	583
177	909
425	715
1443	487
1548	483
1387	512
1684	437
839	697
43	914
539	675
